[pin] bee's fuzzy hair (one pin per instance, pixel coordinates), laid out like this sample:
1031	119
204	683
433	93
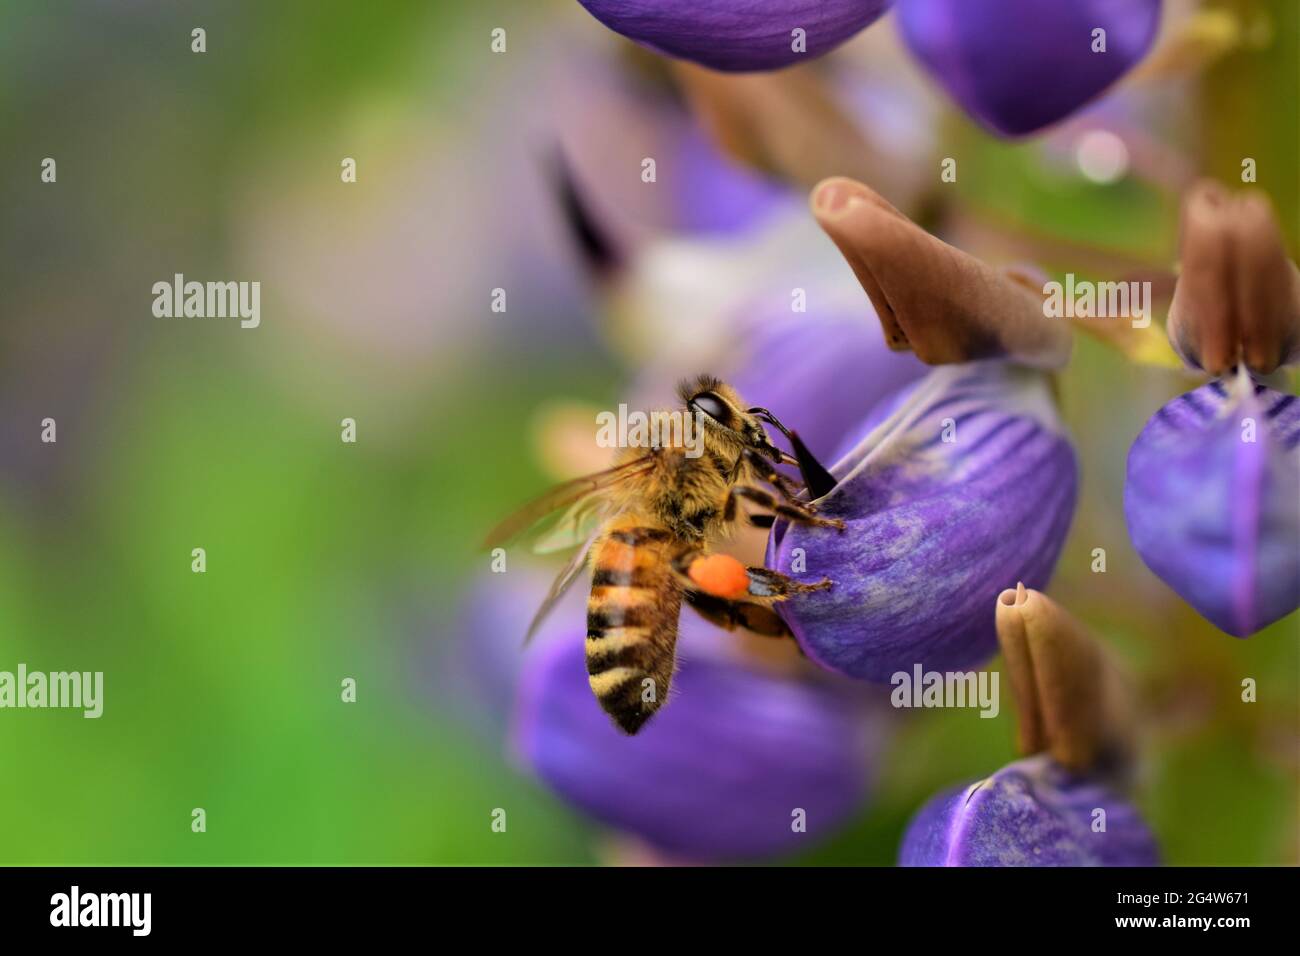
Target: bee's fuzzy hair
688	388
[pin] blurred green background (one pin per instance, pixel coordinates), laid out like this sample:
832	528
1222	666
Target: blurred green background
328	560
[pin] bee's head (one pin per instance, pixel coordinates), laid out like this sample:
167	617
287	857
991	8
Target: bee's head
720	408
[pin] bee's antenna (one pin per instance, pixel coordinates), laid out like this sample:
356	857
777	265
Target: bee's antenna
771	419
816	478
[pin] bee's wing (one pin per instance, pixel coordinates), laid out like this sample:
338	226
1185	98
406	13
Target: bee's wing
563	496
563	581
575	527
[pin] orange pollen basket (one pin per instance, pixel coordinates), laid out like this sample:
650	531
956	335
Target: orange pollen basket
720	575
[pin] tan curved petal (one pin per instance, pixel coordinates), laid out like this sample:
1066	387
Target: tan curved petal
1072	699
1238	293
943	304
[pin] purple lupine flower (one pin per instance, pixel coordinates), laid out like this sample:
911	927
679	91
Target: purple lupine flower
1212	502
738	34
1020	65
1015	65
722	773
1030	813
966	487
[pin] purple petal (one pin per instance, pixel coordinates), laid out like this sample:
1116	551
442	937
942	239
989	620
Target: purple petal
1029	813
1215	516
713	193
1019	65
737	34
721	770
935	530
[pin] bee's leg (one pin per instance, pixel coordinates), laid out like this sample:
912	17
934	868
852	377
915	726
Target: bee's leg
795	511
766	583
730	614
766	471
755	614
730	611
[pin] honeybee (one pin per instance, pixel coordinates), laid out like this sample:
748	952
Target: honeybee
645	527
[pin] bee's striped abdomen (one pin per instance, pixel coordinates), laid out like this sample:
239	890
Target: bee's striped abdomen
631	622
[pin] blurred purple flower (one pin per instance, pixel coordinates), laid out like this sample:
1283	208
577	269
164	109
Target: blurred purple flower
1016	66
737	34
722	771
1212	502
1030	813
965	488
473	672
703	192
714	194
469	674
1020	65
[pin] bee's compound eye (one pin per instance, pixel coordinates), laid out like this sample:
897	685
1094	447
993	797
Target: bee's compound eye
712	406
